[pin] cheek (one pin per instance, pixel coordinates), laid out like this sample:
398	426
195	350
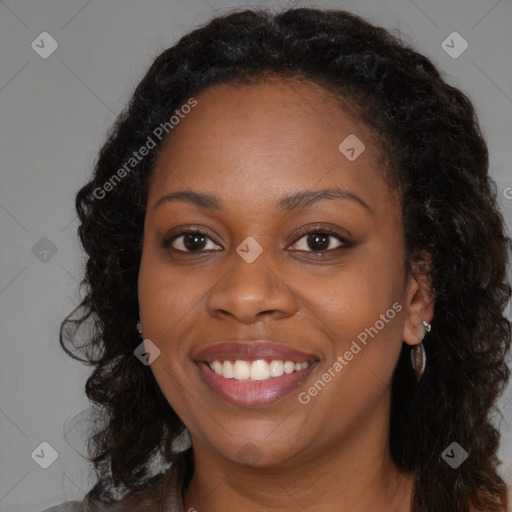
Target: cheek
356	295
362	313
170	302
165	303
168	297
361	308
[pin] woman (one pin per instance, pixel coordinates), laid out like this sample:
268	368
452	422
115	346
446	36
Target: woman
299	209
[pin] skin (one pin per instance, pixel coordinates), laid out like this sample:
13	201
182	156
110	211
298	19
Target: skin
250	145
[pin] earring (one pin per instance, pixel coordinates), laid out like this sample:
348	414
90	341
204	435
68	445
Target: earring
139	326
426	328
418	354
419	360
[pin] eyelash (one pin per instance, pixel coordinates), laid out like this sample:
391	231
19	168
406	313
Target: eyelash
166	244
346	244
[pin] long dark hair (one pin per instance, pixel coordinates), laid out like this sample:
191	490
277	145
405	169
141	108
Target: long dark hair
435	155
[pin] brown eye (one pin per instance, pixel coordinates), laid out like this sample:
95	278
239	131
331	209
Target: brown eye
319	241
192	241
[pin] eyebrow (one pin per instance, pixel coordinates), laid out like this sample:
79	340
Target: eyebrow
295	201
206	201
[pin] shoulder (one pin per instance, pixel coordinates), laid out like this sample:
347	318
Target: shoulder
67	506
163	491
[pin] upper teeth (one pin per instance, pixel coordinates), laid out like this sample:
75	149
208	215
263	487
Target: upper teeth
255	370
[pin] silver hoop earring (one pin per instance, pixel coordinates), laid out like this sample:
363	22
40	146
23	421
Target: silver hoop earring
418	360
418	354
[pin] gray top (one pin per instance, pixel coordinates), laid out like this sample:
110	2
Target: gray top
67	506
168	487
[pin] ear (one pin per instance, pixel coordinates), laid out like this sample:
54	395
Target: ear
419	300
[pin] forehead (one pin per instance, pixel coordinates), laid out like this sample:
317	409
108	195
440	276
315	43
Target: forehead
255	141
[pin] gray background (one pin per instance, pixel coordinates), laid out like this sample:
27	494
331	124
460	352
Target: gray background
54	114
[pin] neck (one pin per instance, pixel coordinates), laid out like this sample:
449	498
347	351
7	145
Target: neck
355	474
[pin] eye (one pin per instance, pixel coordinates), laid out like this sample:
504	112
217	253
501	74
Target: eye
194	240
320	240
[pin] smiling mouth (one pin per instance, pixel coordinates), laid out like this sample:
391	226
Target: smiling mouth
255	383
257	370
253	374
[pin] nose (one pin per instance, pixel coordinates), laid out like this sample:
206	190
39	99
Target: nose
251	291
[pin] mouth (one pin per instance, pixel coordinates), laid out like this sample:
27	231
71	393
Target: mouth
260	369
254	374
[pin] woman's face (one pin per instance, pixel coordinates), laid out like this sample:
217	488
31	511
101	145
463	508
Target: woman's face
256	286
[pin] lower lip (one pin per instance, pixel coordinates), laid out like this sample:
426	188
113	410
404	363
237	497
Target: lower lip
254	393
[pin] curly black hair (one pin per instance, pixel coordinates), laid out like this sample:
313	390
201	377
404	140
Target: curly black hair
436	157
